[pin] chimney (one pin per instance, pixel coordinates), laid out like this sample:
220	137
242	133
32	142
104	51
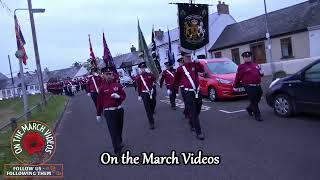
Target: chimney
222	8
158	34
133	49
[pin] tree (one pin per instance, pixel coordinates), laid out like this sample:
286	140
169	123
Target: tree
76	64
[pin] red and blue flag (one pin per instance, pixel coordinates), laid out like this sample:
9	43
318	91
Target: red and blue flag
20	40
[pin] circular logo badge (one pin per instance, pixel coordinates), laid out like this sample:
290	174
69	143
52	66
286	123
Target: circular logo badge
33	142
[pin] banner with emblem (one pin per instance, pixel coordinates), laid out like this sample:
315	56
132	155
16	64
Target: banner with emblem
194	27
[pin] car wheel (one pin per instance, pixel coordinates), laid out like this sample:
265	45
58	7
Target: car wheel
212	94
283	105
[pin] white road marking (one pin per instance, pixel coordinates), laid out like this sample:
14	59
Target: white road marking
232	112
207	101
180	104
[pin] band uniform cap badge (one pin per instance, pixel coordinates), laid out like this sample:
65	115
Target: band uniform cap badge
115	88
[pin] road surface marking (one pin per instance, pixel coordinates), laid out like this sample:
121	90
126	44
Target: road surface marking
180	104
232	112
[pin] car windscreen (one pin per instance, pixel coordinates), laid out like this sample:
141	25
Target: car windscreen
222	67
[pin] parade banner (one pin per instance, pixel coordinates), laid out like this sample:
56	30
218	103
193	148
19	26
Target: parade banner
193	23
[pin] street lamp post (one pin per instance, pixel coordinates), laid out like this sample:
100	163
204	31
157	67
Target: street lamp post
20	54
269	40
35	44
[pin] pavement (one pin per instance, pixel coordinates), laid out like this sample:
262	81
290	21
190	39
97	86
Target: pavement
275	149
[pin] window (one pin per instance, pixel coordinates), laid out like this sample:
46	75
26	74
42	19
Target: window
37	88
217	54
235	55
313	74
3	93
224	67
8	92
31	87
286	48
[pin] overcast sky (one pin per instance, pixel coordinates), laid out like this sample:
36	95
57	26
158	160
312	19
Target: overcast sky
63	29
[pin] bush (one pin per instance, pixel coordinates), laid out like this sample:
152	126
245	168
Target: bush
279	74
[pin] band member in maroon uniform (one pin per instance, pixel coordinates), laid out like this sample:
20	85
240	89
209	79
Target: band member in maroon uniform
186	112
249	74
187	75
93	84
145	83
168	77
110	99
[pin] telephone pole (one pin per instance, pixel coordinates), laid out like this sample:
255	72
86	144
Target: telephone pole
36	52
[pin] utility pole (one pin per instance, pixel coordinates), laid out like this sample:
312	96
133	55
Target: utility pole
20	55
269	40
12	82
36	52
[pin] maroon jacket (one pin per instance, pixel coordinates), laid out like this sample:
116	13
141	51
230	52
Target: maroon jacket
104	97
148	78
90	84
168	78
248	73
180	79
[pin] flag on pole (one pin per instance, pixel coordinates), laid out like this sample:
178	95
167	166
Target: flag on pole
144	53
93	61
170	53
107	57
154	53
20	40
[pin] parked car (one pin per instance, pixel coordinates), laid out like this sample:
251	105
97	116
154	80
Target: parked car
126	80
217	81
296	93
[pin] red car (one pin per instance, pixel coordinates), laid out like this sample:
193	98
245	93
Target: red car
217	81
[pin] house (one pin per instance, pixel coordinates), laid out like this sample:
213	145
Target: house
9	89
217	22
294	33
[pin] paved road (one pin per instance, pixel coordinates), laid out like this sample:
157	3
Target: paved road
278	148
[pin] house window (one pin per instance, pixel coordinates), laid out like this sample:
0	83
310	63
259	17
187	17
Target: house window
8	92
217	54
3	93
286	48
31	87
37	88
235	55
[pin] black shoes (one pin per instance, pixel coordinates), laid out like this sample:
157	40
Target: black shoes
200	137
249	112
174	108
152	126
258	118
193	129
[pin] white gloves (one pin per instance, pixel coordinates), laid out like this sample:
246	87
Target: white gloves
139	98
177	95
89	94
169	92
98	119
235	89
115	95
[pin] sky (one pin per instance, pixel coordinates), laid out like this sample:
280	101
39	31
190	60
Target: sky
62	31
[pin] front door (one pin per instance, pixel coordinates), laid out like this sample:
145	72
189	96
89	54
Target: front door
258	53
